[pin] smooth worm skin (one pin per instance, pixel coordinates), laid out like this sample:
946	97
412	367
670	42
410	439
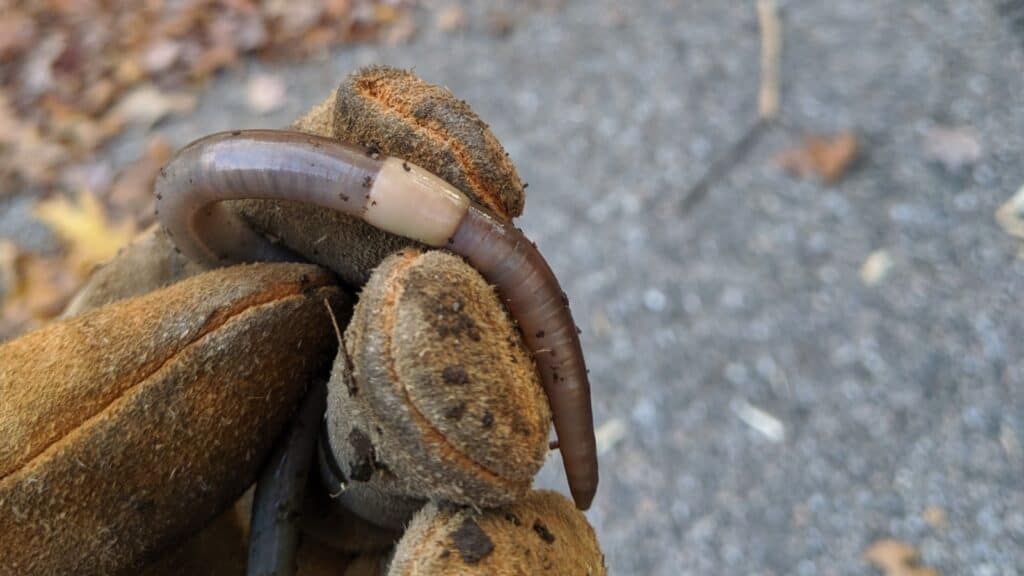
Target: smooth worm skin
277	503
397	197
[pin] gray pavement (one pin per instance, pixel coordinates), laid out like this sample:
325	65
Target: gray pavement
876	403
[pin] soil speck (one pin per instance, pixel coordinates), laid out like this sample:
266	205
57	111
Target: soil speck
472	543
455	375
543	532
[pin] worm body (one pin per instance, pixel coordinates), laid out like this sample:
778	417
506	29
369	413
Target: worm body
277	503
397	197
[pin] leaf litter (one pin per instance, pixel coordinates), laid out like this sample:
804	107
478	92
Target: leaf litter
76	73
827	157
896	558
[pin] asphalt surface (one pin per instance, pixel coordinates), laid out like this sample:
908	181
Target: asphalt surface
773	413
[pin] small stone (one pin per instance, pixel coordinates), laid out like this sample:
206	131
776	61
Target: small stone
875	267
655	300
953	147
265	93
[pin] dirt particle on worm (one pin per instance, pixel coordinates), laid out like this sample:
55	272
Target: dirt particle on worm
472	543
543	532
405	166
350	380
455	375
367	181
455	412
362	467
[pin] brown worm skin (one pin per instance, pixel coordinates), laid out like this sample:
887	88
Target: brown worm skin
277	503
506	258
284	165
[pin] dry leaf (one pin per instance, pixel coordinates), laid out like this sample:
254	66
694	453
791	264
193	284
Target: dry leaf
160	55
875	267
147	105
8	256
1010	215
451	18
32	289
385	14
501	23
44	287
935	516
88	234
132	192
953	147
265	93
827	157
26	153
402	30
609	434
895	558
77	75
17	31
37	71
217	57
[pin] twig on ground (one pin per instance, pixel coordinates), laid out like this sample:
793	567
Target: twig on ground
721	167
771	51
767	106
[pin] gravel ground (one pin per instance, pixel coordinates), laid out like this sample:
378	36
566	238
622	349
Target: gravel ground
883	402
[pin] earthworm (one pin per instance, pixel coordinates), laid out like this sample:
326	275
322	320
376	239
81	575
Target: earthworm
401	198
277	503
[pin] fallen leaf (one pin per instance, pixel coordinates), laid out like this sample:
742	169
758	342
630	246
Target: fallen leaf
147	105
37	71
501	23
77	75
953	147
401	30
8	255
86	230
26	153
609	434
17	31
600	324
1010	215
160	55
895	558
132	192
385	14
265	93
36	289
875	267
451	18
827	157
215	58
935	516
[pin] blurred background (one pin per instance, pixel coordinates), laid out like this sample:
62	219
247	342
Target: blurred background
803	321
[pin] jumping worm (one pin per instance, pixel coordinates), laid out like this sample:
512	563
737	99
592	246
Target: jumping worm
277	503
397	197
